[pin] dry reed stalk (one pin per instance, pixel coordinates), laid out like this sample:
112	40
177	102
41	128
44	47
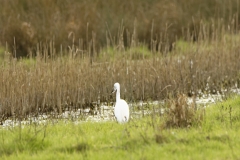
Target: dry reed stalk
75	80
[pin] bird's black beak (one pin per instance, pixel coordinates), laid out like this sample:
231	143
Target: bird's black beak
113	90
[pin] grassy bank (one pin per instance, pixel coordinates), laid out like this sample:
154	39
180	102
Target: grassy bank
216	137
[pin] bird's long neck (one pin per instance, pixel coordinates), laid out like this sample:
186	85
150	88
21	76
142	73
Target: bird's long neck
118	95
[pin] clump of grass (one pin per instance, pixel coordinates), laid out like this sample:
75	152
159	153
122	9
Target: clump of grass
133	53
139	52
20	140
181	113
224	114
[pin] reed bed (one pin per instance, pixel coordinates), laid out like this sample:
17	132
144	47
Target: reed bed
73	61
77	78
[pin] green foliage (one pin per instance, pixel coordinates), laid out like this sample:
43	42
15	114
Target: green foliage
20	140
182	46
134	53
139	52
108	52
139	139
223	114
29	62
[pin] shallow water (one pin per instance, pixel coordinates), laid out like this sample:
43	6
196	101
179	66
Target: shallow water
105	113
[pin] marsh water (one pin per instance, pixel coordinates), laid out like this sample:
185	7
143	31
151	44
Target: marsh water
104	112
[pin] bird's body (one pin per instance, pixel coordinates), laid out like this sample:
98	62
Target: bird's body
121	110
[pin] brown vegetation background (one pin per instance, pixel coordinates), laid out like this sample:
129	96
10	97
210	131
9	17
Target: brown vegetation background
77	50
95	24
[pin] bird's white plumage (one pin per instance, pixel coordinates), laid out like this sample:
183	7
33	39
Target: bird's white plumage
121	110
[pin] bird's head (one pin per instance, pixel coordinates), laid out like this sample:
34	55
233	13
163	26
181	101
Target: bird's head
116	87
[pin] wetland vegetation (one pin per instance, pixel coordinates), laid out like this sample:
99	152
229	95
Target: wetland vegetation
215	136
58	56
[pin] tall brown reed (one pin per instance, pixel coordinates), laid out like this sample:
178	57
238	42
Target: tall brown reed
75	79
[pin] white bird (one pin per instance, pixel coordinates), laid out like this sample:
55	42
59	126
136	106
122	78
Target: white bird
121	110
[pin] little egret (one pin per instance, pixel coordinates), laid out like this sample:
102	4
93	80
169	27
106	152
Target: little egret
121	110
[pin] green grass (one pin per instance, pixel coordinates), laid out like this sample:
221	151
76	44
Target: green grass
133	53
216	138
